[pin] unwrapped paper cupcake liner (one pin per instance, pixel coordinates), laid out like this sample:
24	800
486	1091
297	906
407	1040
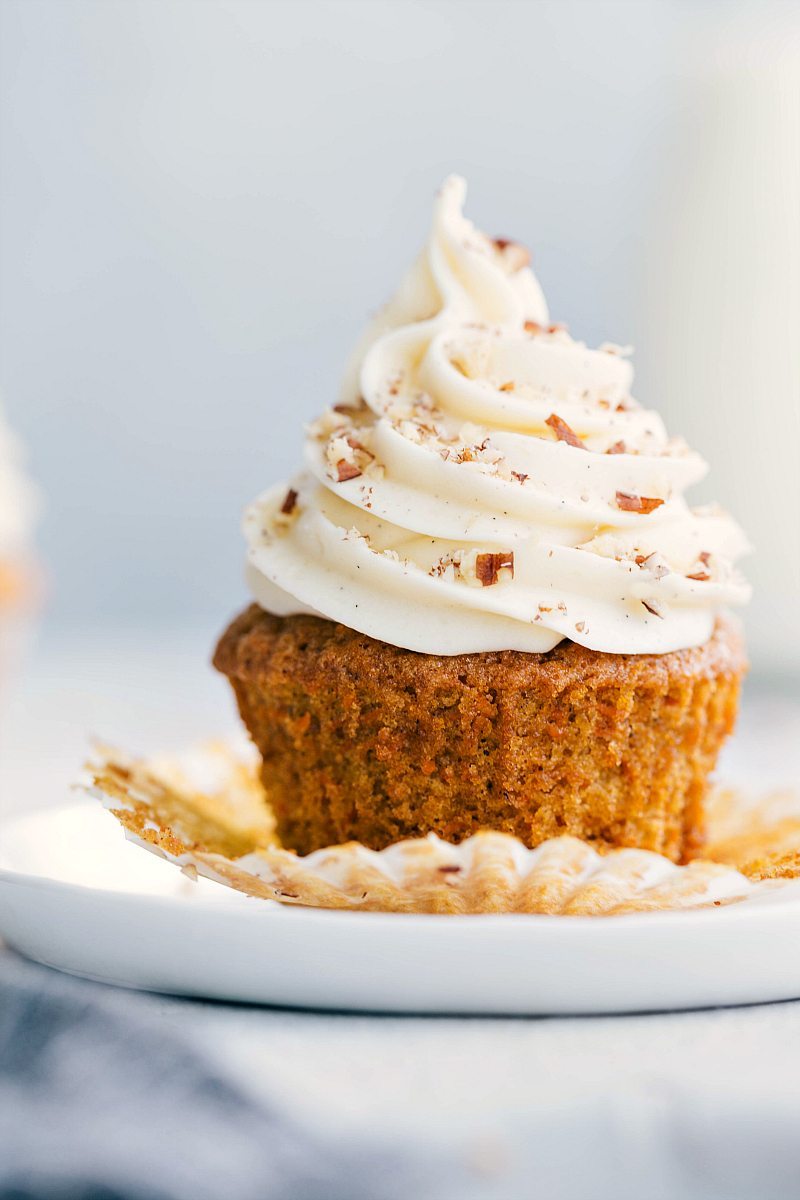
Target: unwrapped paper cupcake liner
204	811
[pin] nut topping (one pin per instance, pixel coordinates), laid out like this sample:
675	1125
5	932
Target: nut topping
348	457
488	566
289	502
654	563
564	433
638	504
535	327
514	255
346	470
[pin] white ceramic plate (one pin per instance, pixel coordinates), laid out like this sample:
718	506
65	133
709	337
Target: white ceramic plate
76	896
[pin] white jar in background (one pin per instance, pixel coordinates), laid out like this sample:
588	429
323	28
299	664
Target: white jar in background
719	341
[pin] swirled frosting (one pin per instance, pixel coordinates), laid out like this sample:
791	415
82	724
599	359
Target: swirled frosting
488	483
18	501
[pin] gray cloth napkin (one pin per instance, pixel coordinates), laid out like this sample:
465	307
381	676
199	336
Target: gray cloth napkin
99	1102
114	1095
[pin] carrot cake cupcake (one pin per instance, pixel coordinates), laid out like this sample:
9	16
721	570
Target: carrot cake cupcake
485	603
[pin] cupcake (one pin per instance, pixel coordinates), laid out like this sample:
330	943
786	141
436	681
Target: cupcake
18	576
485	604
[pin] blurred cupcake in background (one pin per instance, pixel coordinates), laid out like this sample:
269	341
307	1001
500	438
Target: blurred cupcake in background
20	577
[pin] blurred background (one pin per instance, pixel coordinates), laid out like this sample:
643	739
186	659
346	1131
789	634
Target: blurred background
202	202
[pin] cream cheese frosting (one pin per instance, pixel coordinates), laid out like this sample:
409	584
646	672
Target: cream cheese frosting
18	502
486	482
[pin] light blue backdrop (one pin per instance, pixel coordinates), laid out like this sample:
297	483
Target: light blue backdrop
203	202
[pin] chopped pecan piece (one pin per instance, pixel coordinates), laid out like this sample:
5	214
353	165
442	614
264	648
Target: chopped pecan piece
289	502
638	504
617	448
350	410
354	444
655	564
535	327
516	255
563	432
346	470
488	566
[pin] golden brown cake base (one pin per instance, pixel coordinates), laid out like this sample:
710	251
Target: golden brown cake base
203	810
367	742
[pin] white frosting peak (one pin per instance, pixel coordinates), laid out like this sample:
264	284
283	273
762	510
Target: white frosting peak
488	483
